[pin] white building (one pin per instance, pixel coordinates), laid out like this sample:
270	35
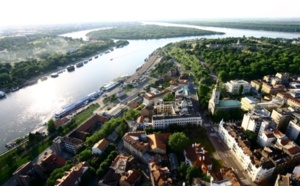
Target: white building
100	146
169	113
257	169
234	85
293	128
252	121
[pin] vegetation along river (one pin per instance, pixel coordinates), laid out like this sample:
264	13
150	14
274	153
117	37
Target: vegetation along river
22	111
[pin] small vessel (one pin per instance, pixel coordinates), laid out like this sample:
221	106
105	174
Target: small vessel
54	75
70	68
44	78
80	64
2	94
14	89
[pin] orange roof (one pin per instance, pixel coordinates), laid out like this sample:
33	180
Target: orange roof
294	150
91	122
198	156
61	121
159	175
54	159
132	177
102	144
230	175
130	138
158	141
70	177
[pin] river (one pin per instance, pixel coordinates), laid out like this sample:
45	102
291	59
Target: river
22	111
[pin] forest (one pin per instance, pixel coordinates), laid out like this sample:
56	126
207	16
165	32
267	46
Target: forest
147	32
233	58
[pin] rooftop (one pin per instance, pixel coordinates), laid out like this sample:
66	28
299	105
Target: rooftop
228	104
102	144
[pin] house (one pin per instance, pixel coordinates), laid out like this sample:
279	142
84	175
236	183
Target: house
100	146
74	141
48	163
24	174
120	93
195	155
160	176
140	145
134	103
130	178
158	142
123	171
229	177
73	176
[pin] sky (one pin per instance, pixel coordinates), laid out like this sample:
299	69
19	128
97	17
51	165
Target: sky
32	12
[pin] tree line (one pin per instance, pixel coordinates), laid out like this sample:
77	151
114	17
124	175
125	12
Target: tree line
281	26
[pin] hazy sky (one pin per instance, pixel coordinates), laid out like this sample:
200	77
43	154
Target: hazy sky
15	12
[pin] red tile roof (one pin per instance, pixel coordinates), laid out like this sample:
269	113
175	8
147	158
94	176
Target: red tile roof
54	159
102	144
61	121
89	123
159	141
129	138
72	176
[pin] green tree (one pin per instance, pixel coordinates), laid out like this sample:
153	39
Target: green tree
85	155
241	88
169	97
251	136
178	141
182	169
223	76
192	172
221	114
51	126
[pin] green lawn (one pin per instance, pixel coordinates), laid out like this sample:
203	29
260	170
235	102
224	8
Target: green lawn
85	114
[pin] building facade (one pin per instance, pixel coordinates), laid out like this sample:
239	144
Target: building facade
233	86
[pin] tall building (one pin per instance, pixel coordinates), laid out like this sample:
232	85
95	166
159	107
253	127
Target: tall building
293	128
282	118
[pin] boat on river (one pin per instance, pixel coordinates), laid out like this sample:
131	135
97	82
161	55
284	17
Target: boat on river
2	94
44	78
54	75
74	106
70	68
109	86
80	64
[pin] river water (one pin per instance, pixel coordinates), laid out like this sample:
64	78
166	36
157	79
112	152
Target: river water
22	111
